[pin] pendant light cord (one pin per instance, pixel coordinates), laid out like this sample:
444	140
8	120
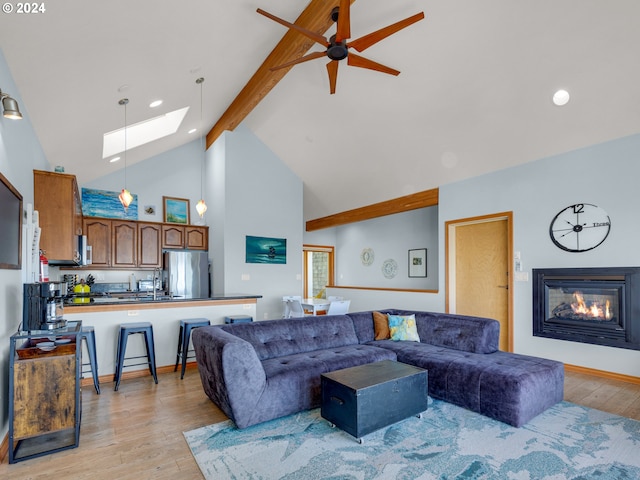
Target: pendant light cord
200	81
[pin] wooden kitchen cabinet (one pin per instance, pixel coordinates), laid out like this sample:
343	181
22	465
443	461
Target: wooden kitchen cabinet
173	236
44	392
149	245
185	236
196	238
98	232
57	199
124	244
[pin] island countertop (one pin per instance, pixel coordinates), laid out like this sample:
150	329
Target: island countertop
144	302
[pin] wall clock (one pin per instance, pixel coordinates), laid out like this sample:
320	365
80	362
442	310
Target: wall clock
580	227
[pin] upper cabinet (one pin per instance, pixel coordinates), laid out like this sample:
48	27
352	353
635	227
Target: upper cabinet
127	244
149	245
57	200
98	232
196	238
191	237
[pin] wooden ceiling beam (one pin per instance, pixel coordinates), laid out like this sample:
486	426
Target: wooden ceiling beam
317	18
426	198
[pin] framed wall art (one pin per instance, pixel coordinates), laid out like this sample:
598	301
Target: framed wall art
175	210
266	250
418	262
105	203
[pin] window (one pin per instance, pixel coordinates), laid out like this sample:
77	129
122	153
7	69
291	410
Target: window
318	269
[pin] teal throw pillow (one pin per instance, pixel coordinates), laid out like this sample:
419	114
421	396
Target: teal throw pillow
403	328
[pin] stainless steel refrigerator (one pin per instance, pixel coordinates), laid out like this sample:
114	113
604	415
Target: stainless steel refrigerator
186	274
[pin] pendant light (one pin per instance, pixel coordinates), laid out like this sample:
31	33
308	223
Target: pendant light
125	196
201	207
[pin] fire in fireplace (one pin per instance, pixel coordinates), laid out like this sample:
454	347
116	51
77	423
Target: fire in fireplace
588	305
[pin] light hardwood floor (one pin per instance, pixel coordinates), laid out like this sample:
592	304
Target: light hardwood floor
136	433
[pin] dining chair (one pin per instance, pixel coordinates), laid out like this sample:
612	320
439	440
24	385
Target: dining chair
333	298
287	309
339	307
295	309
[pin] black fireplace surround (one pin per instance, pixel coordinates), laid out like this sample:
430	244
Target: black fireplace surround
600	306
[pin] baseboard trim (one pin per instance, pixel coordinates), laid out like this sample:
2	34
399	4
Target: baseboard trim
602	374
88	381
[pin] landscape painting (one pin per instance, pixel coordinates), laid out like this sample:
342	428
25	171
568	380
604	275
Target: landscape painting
103	203
175	210
266	250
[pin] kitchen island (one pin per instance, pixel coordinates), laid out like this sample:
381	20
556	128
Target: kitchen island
107	313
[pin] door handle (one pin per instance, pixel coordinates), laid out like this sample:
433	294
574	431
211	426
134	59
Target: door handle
503	286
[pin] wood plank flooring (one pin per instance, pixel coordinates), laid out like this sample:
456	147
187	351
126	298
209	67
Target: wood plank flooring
136	433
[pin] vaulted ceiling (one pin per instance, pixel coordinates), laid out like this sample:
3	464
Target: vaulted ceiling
474	94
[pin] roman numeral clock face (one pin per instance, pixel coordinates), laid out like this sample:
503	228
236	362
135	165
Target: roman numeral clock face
580	227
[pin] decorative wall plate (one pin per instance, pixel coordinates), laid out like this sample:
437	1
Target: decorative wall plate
367	256
389	268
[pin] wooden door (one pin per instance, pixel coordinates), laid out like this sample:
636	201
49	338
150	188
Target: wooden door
149	245
478	270
98	232
124	244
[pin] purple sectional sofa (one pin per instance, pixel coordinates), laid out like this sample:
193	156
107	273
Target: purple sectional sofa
264	370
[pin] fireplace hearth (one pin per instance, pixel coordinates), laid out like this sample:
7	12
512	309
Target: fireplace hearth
589	305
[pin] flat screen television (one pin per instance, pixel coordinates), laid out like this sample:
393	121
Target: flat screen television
10	225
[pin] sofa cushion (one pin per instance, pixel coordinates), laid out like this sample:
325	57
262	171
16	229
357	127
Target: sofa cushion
509	387
278	338
460	332
381	326
403	328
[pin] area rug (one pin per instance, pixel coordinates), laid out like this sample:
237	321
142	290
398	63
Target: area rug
566	442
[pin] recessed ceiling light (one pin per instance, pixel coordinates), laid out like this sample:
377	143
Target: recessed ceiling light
193	130
155	103
143	132
114	159
561	97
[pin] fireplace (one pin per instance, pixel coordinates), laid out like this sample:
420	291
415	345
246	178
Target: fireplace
589	305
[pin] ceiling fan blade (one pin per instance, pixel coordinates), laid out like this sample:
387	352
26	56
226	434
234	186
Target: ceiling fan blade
358	61
332	69
312	35
344	21
306	58
365	42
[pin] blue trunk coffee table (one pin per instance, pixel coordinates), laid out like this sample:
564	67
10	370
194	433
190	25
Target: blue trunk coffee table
366	398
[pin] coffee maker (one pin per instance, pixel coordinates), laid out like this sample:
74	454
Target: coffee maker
43	306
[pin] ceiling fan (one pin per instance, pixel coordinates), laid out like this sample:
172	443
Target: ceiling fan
337	47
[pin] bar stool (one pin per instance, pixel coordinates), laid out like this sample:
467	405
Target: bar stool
183	340
127	329
88	335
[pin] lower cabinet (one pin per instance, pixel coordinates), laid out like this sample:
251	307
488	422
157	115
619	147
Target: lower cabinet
44	392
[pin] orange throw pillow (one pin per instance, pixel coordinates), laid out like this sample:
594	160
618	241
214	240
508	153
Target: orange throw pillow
381	326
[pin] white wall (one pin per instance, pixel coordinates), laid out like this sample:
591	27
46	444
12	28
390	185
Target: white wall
605	175
389	237
263	198
20	153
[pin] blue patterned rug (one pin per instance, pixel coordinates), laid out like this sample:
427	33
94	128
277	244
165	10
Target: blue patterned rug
566	442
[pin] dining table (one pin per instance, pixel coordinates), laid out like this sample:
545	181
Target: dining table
315	305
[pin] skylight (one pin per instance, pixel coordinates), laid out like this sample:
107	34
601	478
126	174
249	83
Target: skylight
143	132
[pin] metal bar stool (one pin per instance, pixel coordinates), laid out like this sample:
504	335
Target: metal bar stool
127	329
87	334
183	340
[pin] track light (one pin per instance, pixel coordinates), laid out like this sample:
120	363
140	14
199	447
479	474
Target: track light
10	107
